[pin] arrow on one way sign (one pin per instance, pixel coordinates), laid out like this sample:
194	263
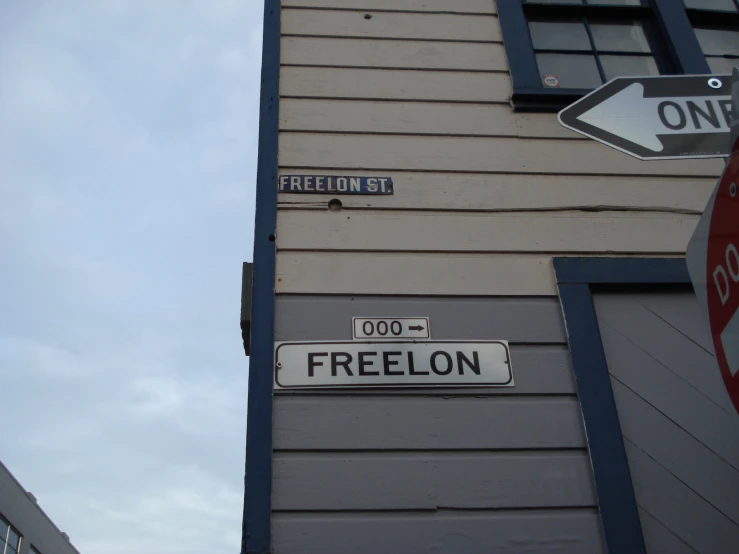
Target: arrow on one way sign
657	118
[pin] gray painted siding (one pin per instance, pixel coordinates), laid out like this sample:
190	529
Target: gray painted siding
29	519
680	429
574	531
349	466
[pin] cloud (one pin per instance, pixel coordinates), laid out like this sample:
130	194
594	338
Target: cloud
127	165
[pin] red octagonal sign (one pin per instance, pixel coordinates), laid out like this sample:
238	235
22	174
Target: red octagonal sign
722	278
713	262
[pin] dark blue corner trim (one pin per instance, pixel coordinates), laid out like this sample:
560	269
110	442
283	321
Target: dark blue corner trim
616	499
517	41
621	271
255	538
575	279
686	51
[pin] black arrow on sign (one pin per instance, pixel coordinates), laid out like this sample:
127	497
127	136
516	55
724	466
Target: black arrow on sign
415	328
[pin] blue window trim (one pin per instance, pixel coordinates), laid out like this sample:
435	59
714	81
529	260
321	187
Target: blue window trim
671	18
576	279
255	538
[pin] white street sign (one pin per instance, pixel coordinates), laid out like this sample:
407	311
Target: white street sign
657	118
392	364
390	328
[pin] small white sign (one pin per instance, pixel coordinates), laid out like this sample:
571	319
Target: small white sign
392	364
391	328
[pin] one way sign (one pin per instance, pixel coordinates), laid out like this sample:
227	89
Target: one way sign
657	118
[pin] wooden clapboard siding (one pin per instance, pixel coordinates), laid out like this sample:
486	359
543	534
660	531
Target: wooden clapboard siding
378	273
669	382
667	444
634	321
341	52
472	154
659	539
683	511
680	429
543	125
405	26
414	422
457	6
575	531
429	480
520	192
395	84
500	232
346	116
522	320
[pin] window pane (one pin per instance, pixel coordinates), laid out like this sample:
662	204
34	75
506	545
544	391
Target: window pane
559	36
617	2
619	38
628	66
722	66
568	71
724	5
715	41
3	529
13	540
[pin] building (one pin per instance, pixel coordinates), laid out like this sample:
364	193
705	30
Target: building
24	526
619	435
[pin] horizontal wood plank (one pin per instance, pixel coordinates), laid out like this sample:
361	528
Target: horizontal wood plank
427	481
394	84
472	154
499	192
574	531
458	6
364	422
377	273
402	26
538	370
679	508
543	125
343	52
522	320
445	231
419	118
677	452
346	116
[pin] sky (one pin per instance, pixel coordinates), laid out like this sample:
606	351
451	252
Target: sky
128	141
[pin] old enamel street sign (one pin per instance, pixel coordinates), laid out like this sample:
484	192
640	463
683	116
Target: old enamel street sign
399	363
334	184
657	118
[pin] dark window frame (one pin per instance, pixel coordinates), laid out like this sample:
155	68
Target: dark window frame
677	52
3	543
577	279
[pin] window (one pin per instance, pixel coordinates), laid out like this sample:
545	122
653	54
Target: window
34	550
716	25
559	50
10	539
